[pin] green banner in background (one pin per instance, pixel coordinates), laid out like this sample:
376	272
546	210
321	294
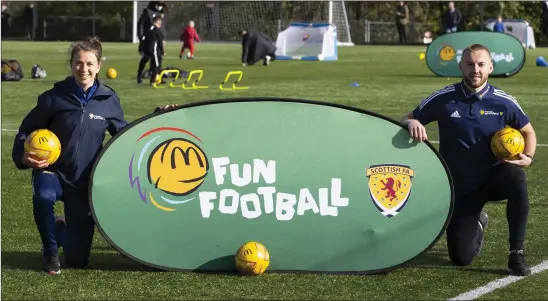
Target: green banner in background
325	188
444	53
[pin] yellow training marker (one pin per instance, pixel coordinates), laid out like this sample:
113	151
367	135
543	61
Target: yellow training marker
194	85
155	84
240	74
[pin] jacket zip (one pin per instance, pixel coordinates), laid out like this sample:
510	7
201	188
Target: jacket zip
81	131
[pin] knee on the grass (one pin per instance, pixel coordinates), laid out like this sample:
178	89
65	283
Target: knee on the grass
76	261
462	260
462	255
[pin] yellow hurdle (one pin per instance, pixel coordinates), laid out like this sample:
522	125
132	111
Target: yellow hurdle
240	74
194	85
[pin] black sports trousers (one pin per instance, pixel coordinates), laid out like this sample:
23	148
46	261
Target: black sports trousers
155	65
503	181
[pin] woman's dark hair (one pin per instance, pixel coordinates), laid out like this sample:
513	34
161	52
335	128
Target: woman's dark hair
89	44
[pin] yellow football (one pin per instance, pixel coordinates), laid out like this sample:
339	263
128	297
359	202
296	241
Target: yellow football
507	143
45	144
112	73
252	259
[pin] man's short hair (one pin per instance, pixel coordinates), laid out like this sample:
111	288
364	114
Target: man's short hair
241	31
475	47
156	18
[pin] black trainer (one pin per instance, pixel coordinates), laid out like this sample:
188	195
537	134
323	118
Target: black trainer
482	223
517	266
52	266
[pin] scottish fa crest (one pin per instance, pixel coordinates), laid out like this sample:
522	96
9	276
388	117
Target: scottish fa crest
390	187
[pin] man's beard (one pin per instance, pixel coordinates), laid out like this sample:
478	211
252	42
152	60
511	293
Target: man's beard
471	84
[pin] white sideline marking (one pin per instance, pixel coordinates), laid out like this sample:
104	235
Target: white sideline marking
433	141
496	284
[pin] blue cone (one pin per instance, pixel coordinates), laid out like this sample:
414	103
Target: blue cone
541	62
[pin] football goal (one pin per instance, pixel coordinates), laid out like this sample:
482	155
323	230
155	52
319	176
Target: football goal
221	20
308	42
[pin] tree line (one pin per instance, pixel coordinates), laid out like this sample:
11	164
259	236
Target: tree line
114	19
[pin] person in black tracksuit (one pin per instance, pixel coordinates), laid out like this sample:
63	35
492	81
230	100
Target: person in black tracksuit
153	9
153	50
257	46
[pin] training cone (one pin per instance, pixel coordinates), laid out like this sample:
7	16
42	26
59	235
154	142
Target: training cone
541	62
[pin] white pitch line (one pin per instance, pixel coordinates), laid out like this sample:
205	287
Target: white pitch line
499	283
433	141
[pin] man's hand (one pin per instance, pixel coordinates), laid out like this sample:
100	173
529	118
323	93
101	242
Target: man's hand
416	130
31	161
522	161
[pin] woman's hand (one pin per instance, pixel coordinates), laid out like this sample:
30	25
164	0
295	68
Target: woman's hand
31	161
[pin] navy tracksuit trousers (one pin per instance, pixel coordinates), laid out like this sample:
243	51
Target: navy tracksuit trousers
77	236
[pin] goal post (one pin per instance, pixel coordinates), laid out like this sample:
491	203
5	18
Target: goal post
221	20
337	16
136	15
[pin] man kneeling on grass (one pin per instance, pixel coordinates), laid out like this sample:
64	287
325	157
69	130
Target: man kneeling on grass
465	135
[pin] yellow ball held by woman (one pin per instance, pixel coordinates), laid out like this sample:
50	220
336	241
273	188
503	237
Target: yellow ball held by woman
507	143
252	259
44	144
112	73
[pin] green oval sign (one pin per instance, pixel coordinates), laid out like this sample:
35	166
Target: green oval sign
325	188
444	53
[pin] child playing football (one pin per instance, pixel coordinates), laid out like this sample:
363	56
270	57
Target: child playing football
188	37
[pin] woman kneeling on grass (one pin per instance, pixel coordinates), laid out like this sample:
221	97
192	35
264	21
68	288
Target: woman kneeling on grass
78	110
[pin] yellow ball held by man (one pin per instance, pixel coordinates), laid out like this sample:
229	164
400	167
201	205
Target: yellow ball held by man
112	73
252	259
44	144
507	144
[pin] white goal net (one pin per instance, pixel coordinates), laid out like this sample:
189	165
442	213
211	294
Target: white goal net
221	20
